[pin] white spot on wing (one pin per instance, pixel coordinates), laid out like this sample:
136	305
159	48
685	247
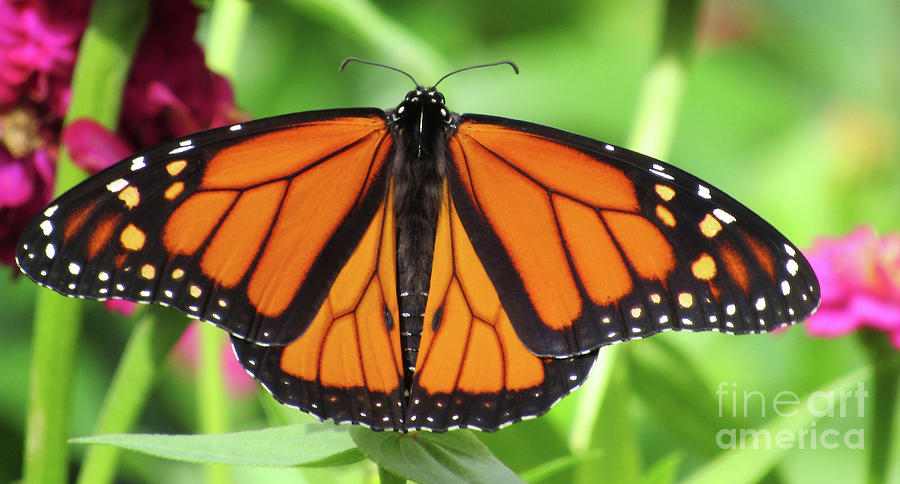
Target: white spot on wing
181	149
703	192
792	267
790	250
236	127
785	287
661	174
137	163
723	216
50	250
760	304
116	185
50	210
74	268
46	227
609	148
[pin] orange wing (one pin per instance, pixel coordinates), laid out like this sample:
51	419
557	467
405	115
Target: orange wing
208	224
588	244
472	368
347	365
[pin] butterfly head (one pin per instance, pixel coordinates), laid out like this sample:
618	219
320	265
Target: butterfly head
426	102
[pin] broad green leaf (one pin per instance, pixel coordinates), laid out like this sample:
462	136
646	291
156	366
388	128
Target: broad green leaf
294	445
427	457
677	400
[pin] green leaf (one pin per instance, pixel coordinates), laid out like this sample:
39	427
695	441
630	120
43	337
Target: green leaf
427	457
312	445
677	400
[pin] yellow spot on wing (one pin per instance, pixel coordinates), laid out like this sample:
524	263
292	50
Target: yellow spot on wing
665	215
704	267
665	192
175	167
174	190
131	196
148	271
709	226
132	238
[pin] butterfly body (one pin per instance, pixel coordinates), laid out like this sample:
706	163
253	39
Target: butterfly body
414	268
420	125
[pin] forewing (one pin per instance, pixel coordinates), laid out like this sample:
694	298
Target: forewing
244	226
588	244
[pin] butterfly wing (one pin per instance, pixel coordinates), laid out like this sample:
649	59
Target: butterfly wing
588	244
208	224
347	365
472	369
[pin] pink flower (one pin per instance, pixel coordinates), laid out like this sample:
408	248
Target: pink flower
25	187
169	93
860	279
38	42
237	380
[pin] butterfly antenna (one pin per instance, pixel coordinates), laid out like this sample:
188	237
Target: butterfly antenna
363	61
510	63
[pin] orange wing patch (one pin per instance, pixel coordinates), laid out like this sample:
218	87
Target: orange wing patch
276	192
347	365
569	223
469	347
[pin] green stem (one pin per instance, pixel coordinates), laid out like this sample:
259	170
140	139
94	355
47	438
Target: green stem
590	400
149	344
56	327
664	85
886	378
227	22
211	397
104	59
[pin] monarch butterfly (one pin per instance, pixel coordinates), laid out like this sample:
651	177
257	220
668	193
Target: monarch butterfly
415	268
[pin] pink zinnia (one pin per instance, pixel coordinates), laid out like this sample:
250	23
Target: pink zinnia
860	279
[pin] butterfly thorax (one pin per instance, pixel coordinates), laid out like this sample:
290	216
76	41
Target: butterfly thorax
421	125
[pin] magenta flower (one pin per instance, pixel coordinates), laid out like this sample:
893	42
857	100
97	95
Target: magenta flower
25	187
169	93
38	43
860	279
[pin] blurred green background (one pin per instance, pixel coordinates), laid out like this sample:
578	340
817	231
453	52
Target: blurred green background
791	106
